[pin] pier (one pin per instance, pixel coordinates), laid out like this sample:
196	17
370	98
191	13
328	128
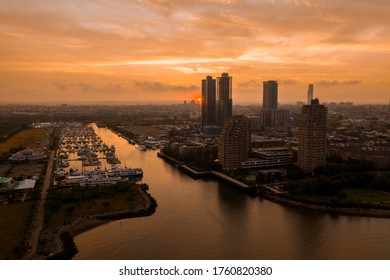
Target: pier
203	174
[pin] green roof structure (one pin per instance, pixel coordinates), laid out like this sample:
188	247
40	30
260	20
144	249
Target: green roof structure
5	180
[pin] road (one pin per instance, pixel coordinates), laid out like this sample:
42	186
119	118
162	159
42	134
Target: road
36	233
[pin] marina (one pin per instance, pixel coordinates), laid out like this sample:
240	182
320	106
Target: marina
81	155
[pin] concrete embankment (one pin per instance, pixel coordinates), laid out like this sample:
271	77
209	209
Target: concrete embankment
168	158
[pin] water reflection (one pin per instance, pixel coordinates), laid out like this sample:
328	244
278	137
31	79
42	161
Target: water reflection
205	219
307	234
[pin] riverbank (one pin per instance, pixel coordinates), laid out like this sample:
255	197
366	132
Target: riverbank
353	210
336	210
58	243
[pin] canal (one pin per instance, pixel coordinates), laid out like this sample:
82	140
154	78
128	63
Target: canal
206	219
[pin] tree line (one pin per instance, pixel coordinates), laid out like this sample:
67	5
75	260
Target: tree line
336	176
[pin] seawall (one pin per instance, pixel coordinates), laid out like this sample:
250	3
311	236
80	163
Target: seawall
204	174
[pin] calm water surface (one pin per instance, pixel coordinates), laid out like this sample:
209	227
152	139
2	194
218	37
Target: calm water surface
205	219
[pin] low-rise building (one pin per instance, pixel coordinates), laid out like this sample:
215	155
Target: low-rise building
26	185
6	184
268	158
28	155
381	159
262	142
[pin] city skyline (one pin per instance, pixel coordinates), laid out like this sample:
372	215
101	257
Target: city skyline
146	50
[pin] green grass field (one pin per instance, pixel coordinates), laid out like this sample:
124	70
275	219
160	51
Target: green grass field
68	209
368	195
356	195
25	138
15	219
114	203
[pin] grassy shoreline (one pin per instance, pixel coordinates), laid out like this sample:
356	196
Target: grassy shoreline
352	210
57	238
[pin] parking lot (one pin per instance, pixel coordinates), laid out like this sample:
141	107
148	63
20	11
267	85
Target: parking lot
30	170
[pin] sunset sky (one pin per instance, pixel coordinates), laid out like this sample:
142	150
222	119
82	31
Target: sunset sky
154	50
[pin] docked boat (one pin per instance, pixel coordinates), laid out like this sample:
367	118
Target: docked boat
141	148
71	181
94	181
63	163
125	172
60	173
75	172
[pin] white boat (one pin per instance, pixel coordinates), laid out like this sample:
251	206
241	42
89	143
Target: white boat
125	172
94	181
75	172
141	148
64	163
131	172
60	173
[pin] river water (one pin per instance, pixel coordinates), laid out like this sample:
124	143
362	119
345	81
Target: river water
206	219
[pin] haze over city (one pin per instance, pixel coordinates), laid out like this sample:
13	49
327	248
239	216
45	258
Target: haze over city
156	50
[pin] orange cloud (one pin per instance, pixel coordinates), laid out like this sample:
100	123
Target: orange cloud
166	47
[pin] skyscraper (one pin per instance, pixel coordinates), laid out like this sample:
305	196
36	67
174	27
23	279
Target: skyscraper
234	142
270	95
224	99
312	136
310	94
270	116
208	101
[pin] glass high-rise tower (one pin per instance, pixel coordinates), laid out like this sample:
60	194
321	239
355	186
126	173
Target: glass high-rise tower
310	94
208	101
224	99
270	95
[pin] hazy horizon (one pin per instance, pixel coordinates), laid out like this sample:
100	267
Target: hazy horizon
158	102
155	50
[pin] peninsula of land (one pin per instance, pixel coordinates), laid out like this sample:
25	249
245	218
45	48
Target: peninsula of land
57	238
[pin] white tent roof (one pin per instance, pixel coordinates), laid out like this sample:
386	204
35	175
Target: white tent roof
26	184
